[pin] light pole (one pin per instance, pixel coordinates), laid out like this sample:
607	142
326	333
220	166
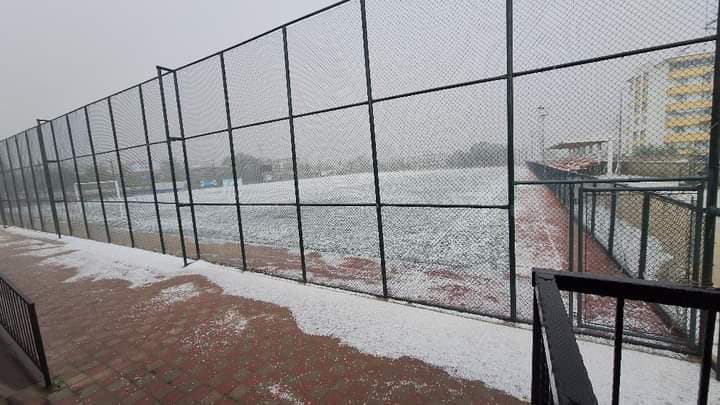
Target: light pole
542	113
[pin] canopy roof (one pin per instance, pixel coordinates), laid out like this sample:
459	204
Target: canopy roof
577	144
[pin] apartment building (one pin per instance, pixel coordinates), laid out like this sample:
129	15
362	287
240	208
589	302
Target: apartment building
670	105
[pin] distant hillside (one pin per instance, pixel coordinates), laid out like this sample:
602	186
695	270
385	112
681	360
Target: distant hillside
481	154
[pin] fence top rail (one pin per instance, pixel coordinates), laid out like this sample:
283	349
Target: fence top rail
639	189
633	289
654	192
608	181
15	289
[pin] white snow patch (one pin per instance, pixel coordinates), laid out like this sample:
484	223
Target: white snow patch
175	294
217	333
330	259
24	243
497	354
282	393
233	321
101	261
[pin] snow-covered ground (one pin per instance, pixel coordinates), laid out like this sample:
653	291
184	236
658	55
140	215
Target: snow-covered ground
455	257
409	232
469	347
472	243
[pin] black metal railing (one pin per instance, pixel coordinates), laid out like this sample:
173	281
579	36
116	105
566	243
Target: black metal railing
19	319
559	375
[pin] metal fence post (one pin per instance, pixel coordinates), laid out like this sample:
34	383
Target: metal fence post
34	183
232	159
24	181
6	190
294	154
510	155
7	187
697	235
593	208
571	240
62	180
581	228
14	184
695	274
97	174
2	208
77	176
581	247
191	201
168	140
48	182
6	197
613	213
151	168
373	147
644	228
690	245
120	169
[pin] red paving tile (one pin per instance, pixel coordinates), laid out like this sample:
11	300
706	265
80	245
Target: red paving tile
13	375
106	344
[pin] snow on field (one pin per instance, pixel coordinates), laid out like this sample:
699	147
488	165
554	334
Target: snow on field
419	242
469	347
326	227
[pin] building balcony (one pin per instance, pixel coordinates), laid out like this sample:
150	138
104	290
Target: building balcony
687	121
690	89
689	105
708	56
690	72
686	137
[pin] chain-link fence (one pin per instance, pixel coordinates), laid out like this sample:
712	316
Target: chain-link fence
650	234
628	230
427	151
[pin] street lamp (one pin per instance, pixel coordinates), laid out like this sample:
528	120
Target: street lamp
541	117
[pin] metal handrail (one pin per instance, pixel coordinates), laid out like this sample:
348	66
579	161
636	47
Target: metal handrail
18	318
559	375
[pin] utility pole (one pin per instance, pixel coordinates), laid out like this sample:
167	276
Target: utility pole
620	133
542	113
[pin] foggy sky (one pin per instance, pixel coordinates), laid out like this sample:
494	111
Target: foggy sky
59	55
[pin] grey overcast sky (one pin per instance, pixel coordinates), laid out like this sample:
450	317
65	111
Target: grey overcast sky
59	55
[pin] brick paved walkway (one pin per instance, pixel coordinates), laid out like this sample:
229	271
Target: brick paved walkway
182	340
13	376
